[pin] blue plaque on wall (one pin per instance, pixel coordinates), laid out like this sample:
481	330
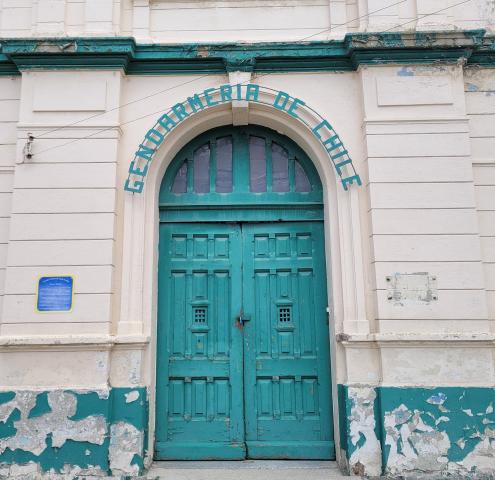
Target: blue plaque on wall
55	294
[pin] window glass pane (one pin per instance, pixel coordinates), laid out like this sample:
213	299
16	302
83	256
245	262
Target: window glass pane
180	180
223	182
280	169
201	177
257	164
302	181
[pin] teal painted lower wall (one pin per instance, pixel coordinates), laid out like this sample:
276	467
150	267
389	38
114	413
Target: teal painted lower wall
411	431
73	433
408	432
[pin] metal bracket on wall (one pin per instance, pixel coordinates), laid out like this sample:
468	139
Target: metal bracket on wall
27	151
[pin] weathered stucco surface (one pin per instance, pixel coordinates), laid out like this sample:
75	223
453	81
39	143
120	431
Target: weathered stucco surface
421	432
366	457
69	434
126	442
451	431
33	429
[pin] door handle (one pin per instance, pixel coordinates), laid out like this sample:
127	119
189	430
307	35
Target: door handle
243	318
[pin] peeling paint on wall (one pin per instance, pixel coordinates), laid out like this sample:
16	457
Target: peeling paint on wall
405	72
413	445
365	457
131	396
126	449
32	432
420	432
359	439
448	430
68	434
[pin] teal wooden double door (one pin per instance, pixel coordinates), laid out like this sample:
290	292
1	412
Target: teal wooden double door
243	350
243	368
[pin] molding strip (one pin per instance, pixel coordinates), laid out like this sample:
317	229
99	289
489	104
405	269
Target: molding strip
471	46
414	340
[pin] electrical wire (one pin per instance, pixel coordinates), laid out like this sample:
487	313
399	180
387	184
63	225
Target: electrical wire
121	106
206	75
354	19
426	15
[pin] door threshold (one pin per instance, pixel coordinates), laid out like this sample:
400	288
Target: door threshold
253	464
243	470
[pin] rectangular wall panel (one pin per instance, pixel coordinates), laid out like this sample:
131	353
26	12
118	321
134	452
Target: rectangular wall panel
427	248
62	226
63	252
422	195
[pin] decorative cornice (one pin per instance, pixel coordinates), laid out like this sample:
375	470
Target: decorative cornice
470	46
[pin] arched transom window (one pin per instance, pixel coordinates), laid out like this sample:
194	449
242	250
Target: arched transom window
241	165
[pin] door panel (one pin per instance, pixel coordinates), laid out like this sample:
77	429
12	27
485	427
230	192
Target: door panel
286	357
199	371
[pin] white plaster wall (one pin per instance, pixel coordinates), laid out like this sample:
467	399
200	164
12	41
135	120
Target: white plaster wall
10	92
55	366
63	203
235	20
422	196
428	133
480	107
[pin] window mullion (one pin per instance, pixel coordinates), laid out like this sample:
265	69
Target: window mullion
213	165
190	168
269	167
292	173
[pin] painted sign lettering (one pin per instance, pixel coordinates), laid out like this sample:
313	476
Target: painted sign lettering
211	97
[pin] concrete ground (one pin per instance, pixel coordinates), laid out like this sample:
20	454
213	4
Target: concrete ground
246	470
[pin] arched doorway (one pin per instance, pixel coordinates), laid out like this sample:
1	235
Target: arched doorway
243	367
